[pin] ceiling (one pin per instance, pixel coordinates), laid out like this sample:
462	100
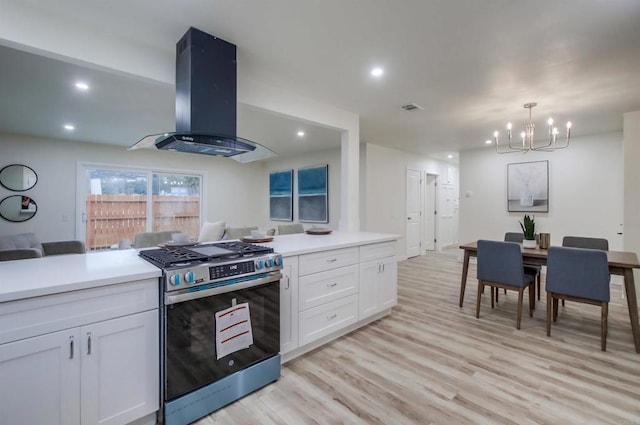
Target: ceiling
470	64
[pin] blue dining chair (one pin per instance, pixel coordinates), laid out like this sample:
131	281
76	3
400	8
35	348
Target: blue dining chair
532	269
578	274
585	242
500	266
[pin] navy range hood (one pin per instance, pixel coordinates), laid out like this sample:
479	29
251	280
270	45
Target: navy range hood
206	102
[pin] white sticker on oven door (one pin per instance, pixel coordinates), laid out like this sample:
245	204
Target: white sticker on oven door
233	330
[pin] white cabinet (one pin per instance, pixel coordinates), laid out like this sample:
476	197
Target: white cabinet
102	370
40	380
378	287
119	369
328	294
289	305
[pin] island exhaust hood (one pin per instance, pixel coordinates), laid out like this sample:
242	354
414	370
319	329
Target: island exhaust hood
206	102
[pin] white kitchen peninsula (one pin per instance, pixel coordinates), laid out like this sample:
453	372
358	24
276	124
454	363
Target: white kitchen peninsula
79	335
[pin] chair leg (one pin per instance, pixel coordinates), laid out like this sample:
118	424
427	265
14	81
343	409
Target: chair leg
520	297
532	299
603	325
539	274
480	291
549	307
555	309
562	303
494	293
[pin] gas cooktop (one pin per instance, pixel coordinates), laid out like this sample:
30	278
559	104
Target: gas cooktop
189	256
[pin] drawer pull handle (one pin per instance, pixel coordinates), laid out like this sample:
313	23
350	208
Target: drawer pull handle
288	283
88	343
71	347
331	285
333	316
331	260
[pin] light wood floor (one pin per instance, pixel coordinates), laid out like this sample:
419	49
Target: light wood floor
431	362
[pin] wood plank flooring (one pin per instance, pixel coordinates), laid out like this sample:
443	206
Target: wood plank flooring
431	362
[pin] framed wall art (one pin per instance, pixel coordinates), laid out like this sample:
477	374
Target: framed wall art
313	204
281	195
528	187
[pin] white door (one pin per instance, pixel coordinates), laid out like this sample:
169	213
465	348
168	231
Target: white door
40	380
430	212
414	212
120	369
446	213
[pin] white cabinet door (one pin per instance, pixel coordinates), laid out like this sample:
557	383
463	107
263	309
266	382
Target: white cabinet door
120	369
388	283
367	295
378	286
289	305
40	380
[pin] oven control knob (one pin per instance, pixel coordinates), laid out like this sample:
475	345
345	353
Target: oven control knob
279	261
189	277
260	264
270	262
175	279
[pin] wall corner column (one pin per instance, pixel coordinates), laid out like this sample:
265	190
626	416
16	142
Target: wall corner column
350	174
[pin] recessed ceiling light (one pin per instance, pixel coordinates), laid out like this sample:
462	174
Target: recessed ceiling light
488	142
377	72
300	133
69	127
81	85
449	156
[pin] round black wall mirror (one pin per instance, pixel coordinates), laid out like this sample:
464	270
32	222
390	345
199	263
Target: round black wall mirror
18	177
17	208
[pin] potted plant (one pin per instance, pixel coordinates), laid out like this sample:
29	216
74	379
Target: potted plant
529	231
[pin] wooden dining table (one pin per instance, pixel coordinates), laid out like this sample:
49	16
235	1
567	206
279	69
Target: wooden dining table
620	263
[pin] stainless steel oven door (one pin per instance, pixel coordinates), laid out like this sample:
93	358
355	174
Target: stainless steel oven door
190	333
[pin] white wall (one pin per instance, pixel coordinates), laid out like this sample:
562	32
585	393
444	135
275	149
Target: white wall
585	191
383	188
332	158
235	192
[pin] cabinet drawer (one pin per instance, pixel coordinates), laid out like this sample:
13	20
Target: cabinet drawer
377	250
327	318
319	288
327	260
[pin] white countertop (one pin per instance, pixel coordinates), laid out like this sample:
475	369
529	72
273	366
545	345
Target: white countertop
62	273
36	277
302	243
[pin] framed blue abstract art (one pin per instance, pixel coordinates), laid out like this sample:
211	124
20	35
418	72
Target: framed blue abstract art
313	200
281	195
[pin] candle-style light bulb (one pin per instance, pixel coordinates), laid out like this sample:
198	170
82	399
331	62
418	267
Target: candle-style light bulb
569	130
523	135
550	122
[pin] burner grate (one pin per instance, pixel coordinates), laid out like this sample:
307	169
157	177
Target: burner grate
167	257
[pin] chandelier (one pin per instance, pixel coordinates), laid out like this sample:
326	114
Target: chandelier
526	143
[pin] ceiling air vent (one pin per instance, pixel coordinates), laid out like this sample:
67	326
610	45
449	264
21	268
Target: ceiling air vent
412	107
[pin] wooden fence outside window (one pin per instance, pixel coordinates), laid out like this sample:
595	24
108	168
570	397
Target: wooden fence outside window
112	218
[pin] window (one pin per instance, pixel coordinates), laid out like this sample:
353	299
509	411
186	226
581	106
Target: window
116	205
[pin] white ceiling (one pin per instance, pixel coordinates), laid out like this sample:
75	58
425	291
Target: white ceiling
471	64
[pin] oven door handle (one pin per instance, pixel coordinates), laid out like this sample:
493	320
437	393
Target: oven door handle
188	296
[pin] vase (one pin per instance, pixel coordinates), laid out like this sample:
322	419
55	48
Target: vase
529	243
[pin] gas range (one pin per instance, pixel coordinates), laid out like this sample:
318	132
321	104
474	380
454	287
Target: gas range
209	265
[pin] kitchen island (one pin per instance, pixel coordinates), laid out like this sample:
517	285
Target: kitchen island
79	333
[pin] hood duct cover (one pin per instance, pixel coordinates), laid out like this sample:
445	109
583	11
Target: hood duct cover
206	102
